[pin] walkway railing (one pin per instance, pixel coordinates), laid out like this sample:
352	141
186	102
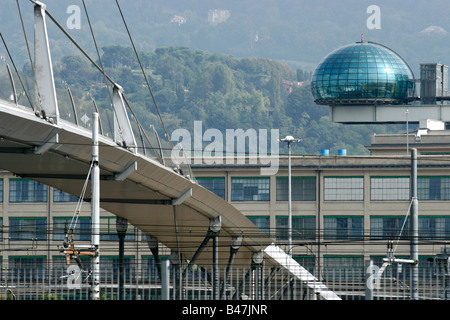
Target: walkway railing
196	284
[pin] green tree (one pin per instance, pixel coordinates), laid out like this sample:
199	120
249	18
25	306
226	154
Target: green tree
117	56
221	91
222	78
274	89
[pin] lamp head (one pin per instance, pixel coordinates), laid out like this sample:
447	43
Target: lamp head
290	139
121	224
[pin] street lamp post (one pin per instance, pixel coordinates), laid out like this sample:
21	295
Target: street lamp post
407	129
121	226
289	140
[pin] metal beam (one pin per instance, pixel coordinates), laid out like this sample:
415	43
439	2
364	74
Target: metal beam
234	248
360	114
134	201
152	243
199	251
215	224
52	141
13	96
67	176
292	266
13	150
46	99
124	174
123	132
185	195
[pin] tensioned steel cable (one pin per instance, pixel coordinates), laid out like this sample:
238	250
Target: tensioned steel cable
78	46
99	68
74	220
143	72
29	57
17	72
403	226
100	60
142	132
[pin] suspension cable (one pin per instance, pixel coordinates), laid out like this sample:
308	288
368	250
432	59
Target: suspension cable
38	94
17	72
79	47
143	72
101	69
403	226
76	215
142	131
100	61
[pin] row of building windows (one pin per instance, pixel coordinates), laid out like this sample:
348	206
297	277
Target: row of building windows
303	228
258	189
35	228
352	227
25	190
335	188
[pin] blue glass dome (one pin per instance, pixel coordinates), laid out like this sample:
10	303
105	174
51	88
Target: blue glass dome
362	73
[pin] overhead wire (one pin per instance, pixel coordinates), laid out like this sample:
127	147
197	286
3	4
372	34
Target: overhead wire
101	68
15	243
394	157
143	72
99	57
76	215
107	77
403	226
78	46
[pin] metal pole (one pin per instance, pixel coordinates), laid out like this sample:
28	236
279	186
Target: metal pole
121	226
414	226
368	279
95	207
216	279
121	266
234	248
177	260
289	200
215	224
317	235
165	273
407	130
289	140
152	243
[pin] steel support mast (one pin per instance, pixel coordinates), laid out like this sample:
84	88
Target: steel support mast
95	204
414	227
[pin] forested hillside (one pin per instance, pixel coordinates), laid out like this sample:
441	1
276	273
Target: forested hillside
205	69
301	32
221	91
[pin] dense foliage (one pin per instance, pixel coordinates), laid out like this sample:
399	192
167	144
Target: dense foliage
221	91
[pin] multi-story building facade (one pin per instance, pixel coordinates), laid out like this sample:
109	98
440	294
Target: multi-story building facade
35	220
345	211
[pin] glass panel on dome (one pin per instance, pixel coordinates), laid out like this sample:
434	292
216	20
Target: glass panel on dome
364	70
